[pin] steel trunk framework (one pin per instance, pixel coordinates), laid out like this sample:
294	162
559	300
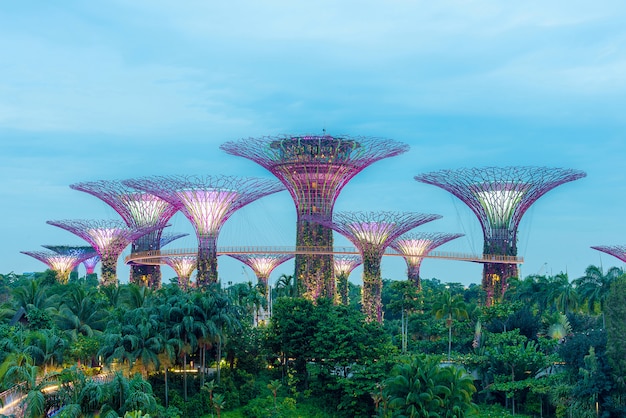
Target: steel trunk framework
414	246
208	202
86	253
314	168
262	264
108	238
138	209
61	264
343	266
618	251
371	233
183	265
499	197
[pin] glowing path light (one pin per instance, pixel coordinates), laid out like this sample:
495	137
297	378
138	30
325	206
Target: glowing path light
207	202
108	238
138	210
499	197
414	246
314	169
371	233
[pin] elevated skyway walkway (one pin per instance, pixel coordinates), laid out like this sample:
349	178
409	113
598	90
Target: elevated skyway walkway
157	257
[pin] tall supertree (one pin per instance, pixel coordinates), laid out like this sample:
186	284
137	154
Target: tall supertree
183	265
499	197
208	202
86	253
108	238
343	266
618	251
137	209
61	264
371	233
314	169
414	246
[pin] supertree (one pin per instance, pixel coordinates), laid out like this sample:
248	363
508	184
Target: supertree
168	237
371	233
499	197
183	265
414	246
343	266
86	253
208	202
618	251
61	264
108	238
138	210
314	168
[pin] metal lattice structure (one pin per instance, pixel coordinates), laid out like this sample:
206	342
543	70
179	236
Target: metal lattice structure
343	266
499	197
61	264
138	209
108	238
208	202
86	253
371	233
414	246
183	265
167	238
314	168
618	251
262	264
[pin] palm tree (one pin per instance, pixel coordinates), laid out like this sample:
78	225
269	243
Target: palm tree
594	286
286	286
45	347
563	293
224	317
450	307
81	313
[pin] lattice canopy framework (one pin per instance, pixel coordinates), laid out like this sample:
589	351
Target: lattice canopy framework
262	264
343	266
167	238
183	265
208	202
108	238
618	251
138	209
371	233
314	168
414	246
499	197
86	253
61	264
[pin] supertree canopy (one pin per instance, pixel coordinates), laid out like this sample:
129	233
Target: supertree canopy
183	265
499	197
343	266
86	253
414	246
62	264
618	251
262	264
371	233
208	202
314	168
166	238
137	209
108	238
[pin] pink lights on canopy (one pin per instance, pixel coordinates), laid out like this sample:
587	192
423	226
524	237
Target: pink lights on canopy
345	264
618	251
183	265
60	263
208	208
262	264
414	246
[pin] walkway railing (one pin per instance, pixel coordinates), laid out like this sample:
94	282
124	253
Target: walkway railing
157	256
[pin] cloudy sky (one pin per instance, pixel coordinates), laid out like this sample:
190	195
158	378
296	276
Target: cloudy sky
116	89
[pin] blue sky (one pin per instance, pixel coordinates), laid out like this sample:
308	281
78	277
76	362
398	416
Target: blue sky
117	89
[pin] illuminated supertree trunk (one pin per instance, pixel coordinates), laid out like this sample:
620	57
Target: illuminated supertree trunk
415	246
86	253
207	202
371	233
314	168
343	267
138	210
61	264
618	251
108	238
263	265
499	197
183	265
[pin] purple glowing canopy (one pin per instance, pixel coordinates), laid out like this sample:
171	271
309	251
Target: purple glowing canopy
344	264
62	264
86	253
618	251
262	264
183	265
